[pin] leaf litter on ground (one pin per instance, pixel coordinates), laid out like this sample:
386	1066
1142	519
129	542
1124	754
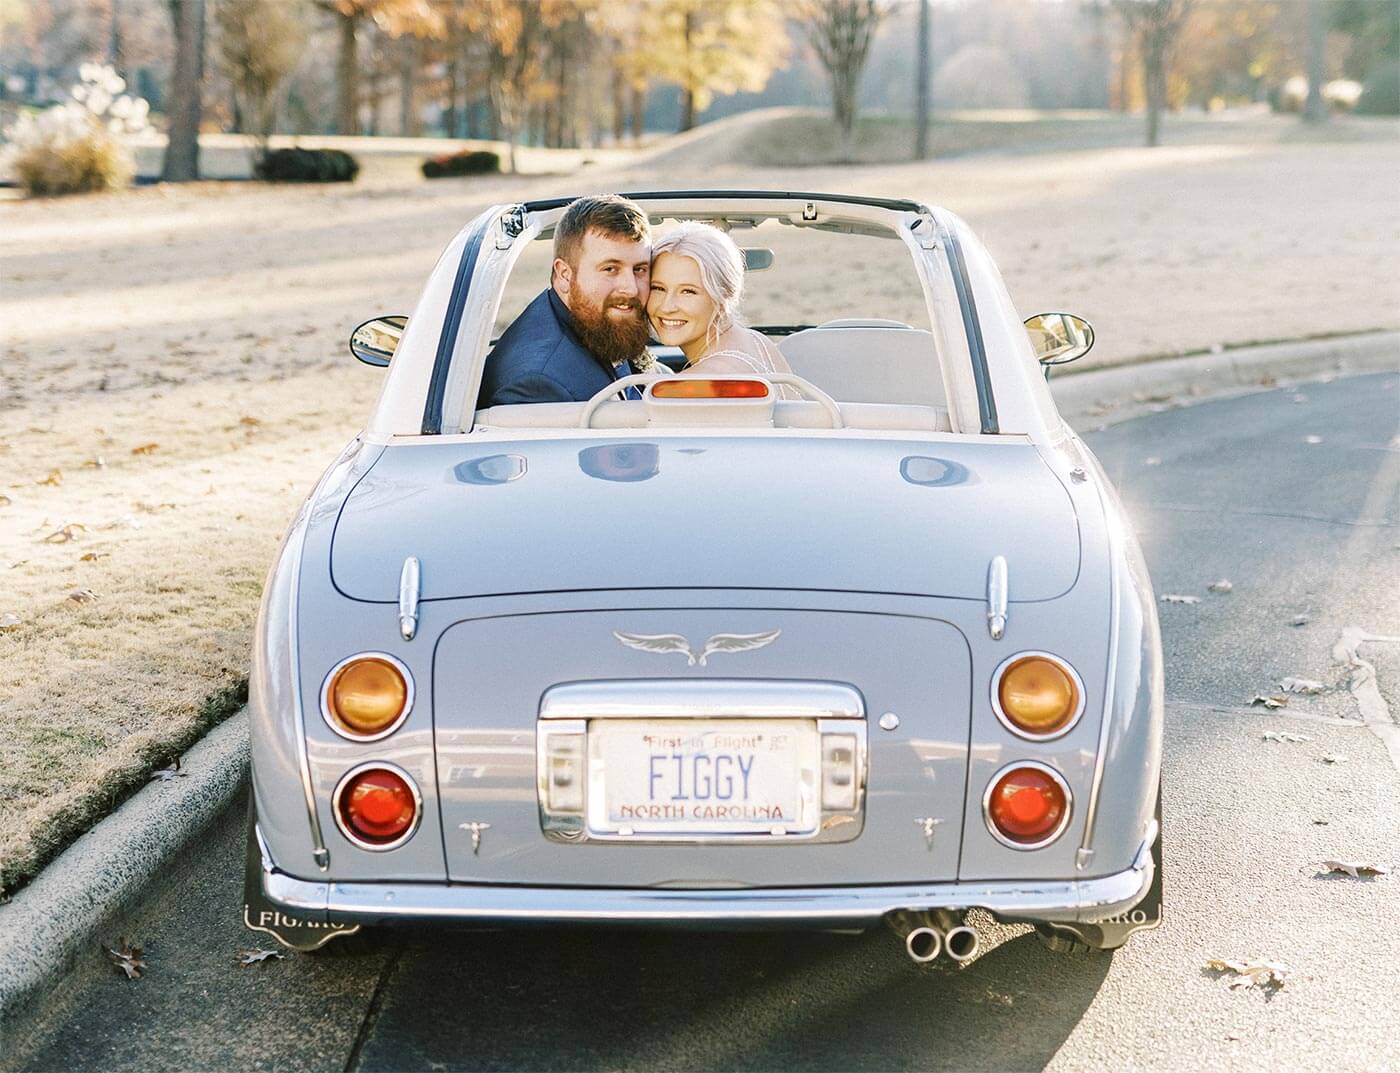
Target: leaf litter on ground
1177	598
1266	975
1302	685
1269	702
1285	736
127	959
1355	869
1333	758
1224	585
68	533
253	957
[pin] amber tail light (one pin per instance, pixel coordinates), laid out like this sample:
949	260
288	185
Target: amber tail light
367	696
377	806
1027	805
1037	695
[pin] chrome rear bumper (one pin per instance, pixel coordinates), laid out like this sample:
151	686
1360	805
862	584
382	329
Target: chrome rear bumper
1082	901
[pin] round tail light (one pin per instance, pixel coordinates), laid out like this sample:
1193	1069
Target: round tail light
1027	805
1037	695
367	696
377	806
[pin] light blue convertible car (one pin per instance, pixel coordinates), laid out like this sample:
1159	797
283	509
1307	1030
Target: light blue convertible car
884	651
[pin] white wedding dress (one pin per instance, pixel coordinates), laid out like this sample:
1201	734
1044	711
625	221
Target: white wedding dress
742	350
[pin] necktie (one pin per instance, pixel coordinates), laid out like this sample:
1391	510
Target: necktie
634	393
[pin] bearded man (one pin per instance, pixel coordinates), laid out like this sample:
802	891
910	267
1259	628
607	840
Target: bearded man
584	330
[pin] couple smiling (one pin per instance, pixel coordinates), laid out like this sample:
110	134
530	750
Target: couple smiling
610	291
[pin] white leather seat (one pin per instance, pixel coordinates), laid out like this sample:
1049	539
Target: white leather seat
868	361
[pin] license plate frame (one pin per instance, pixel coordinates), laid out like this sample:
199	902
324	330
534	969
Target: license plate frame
569	709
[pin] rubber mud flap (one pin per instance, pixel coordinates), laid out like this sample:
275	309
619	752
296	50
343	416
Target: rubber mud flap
261	915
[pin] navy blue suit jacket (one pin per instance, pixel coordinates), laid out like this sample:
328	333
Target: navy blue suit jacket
539	358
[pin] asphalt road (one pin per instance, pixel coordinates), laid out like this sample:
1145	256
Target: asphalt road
1227	489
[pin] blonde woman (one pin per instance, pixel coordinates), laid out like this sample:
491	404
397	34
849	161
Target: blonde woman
697	282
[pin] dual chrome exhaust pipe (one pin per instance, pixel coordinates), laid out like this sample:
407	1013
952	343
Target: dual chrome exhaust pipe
929	934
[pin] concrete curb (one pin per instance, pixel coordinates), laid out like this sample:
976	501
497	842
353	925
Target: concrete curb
1099	397
61	915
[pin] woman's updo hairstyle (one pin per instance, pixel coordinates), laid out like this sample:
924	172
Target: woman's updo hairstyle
721	268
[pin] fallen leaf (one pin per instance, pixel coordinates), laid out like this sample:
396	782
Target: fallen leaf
1233	1037
165	774
1175	598
127	959
93	556
1312	439
1321	823
5	501
1265	974
96	463
18	563
82	596
1299	620
1285	736
1333	758
252	957
1223	585
9	621
1268	702
54	479
1302	685
153	508
1355	869
1152	461
125	522
145	449
252	422
66	534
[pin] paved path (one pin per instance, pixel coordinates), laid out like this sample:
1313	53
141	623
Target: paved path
1230	489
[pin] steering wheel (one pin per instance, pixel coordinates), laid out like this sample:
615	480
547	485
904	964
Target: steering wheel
806	387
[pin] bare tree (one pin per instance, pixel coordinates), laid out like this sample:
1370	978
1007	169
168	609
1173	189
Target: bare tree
921	85
185	96
841	32
1157	24
259	43
394	17
1315	109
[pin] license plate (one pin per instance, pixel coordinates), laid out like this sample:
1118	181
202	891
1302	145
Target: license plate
690	779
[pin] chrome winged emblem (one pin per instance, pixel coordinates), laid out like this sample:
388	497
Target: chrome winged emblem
674	642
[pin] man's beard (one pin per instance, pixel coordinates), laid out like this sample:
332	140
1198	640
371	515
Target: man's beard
613	339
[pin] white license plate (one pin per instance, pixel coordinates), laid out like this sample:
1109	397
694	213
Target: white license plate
691	778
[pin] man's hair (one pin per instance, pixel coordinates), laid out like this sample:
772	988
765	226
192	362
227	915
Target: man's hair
611	214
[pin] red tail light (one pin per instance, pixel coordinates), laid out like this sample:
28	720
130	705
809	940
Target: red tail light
377	806
690	387
1027	805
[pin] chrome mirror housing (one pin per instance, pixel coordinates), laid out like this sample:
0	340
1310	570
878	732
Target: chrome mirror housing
1059	338
375	341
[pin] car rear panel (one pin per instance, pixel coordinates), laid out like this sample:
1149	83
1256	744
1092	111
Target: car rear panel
490	675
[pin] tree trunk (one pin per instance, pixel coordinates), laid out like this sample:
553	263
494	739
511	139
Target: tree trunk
408	87
449	111
921	84
639	107
347	74
1315	110
185	104
619	107
114	41
1155	85
688	89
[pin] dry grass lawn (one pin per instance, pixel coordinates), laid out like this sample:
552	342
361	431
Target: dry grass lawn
175	379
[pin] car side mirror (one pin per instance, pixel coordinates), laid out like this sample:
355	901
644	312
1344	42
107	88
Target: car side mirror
1059	338
757	258
375	341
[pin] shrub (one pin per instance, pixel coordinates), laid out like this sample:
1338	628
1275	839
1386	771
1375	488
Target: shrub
1381	94
307	166
467	162
73	147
